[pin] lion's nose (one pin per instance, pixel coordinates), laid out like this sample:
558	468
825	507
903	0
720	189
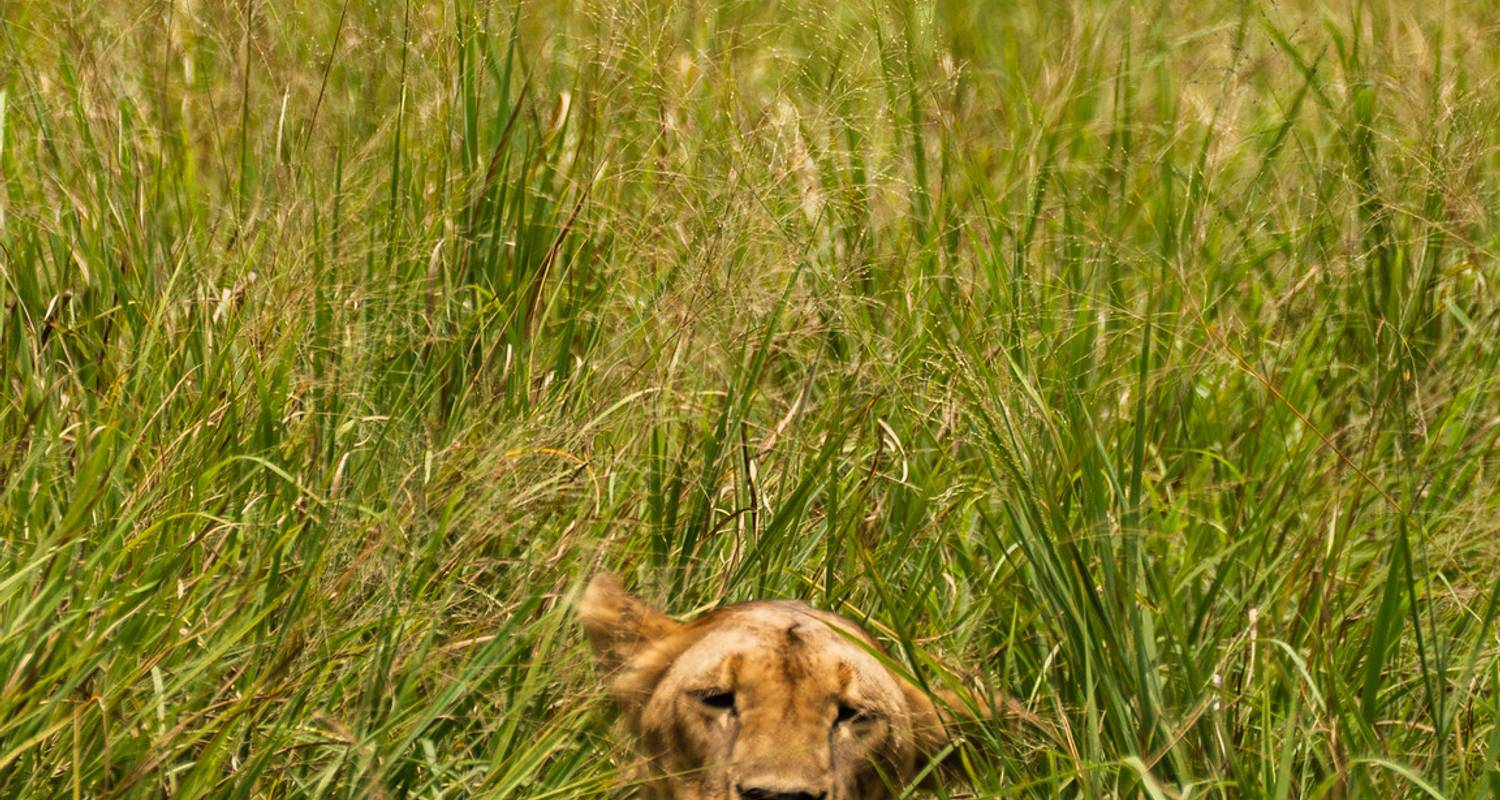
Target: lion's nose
769	793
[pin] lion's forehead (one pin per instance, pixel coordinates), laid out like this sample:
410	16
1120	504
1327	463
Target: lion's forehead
787	643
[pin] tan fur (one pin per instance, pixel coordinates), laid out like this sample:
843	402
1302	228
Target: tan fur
768	700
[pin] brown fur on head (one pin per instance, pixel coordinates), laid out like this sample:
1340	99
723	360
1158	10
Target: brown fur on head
767	700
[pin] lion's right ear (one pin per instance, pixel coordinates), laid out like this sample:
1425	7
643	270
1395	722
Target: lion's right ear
619	626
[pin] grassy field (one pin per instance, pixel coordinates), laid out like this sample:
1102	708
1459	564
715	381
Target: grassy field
1136	360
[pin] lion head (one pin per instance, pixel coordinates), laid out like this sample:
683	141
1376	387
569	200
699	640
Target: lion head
768	700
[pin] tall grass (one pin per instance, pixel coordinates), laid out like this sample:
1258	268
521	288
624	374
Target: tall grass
1137	361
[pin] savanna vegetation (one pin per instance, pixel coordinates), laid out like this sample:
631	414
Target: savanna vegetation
1136	360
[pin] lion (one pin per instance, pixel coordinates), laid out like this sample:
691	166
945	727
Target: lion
766	700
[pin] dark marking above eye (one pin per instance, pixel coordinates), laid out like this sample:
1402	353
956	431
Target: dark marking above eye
714	698
848	714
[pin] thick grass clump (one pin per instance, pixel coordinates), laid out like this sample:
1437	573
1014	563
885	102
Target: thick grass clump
1138	361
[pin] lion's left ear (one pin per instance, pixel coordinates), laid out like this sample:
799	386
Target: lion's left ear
938	718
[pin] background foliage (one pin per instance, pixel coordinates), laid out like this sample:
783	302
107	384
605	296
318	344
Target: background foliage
1135	359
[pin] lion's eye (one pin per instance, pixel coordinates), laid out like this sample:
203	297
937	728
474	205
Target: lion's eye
723	701
848	714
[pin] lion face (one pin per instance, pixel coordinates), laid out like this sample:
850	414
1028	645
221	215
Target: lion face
758	701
